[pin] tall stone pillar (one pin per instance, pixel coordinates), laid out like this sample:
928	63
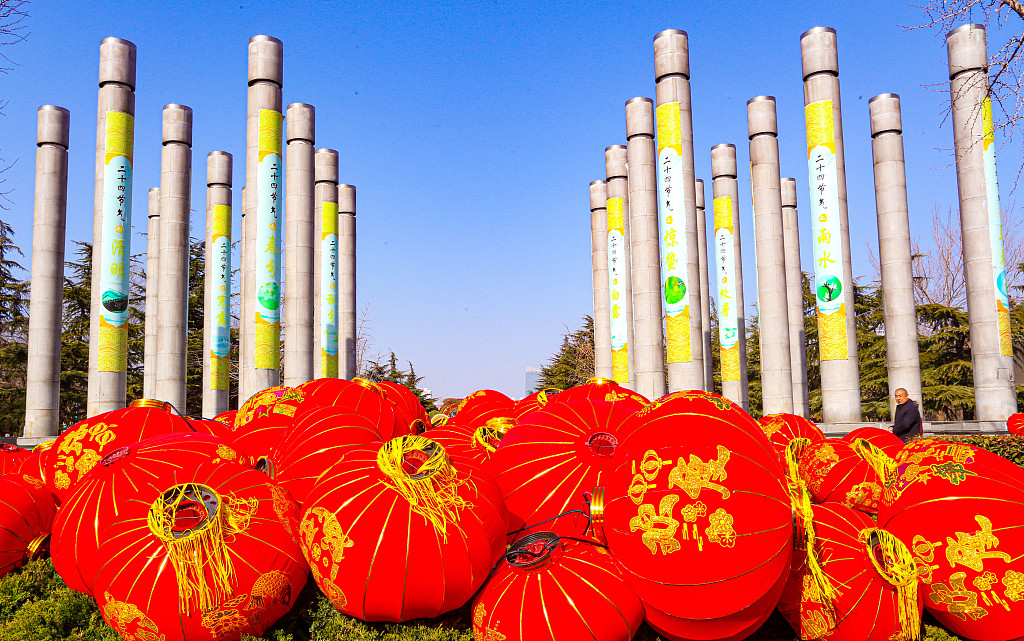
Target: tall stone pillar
298	255
795	298
599	260
981	224
620	289
149	357
261	362
112	228
732	336
830	236
246	267
217	299
347	334
773	313
42	379
678	222
902	356
645	263
325	261
705	294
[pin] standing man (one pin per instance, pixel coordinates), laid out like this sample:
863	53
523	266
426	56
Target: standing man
908	418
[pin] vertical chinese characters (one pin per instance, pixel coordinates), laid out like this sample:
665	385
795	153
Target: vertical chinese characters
672	227
725	268
329	289
115	242
268	242
219	270
995	227
617	269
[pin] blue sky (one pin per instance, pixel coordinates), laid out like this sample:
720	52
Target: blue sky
471	131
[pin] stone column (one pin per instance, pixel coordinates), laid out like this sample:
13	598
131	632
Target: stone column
347	280
981	224
773	313
732	336
620	289
149	356
795	298
175	207
112	227
902	356
599	260
261	361
217	299
830	236
42	377
679	248
645	263
325	261
246	266
705	295
298	254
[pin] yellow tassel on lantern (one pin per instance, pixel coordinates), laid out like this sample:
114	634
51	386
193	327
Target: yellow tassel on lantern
897	568
880	462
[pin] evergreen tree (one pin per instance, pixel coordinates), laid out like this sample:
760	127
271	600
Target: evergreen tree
74	356
573	363
13	334
377	371
196	319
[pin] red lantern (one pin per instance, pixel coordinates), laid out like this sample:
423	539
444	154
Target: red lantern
783	428
882	439
960	511
205	554
697	515
26	515
602	389
534	402
544	466
101	496
227	418
401	531
359	396
587	598
481	406
476	443
834	471
1015	424
408	409
12	458
320	437
82	445
872	582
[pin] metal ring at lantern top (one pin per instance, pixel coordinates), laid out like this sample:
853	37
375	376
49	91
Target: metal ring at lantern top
898	571
502	423
599	380
597	514
38	547
542	396
151	402
265	465
370	385
520	555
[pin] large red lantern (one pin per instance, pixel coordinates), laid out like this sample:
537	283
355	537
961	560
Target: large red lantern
835	470
320	437
882	439
783	428
477	442
533	402
408	408
1015	424
697	515
482	406
545	466
26	516
206	554
960	511
227	418
82	445
101	497
871	576
358	395
602	389
400	531
556	589
12	458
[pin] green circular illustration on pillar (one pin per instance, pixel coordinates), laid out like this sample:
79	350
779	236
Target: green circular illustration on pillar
830	289
675	289
114	301
269	296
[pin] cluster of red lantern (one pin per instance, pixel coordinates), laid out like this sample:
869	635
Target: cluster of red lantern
573	514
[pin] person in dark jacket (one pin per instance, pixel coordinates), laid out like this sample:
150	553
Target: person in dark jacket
908	418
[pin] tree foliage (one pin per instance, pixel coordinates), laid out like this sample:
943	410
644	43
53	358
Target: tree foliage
573	363
378	371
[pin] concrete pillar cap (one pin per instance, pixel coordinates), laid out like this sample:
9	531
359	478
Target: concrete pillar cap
761	116
53	125
819	52
325	166
117	62
723	161
884	111
615	162
671	54
639	117
218	168
967	49
177	124
598	195
789	192
347	199
266	60
300	120
698	186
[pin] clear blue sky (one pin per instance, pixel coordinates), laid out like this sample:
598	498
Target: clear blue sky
472	130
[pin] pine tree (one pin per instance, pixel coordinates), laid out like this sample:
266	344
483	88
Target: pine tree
74	353
13	334
573	363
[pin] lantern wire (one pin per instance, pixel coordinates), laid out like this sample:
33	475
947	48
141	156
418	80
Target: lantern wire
184	418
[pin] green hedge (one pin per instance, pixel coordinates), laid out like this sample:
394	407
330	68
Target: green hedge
1005	445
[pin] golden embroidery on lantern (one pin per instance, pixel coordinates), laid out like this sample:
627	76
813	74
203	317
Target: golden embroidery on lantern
820	464
284	508
121	615
481	632
771	424
270	589
61	480
696	475
33	481
227	619
1014	583
331	591
650	467
659	530
952	471
864	494
612	397
814	624
720	529
971	550
924	554
985	581
226	453
959	601
333	540
692	511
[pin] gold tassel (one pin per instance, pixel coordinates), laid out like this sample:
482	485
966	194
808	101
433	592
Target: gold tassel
900	572
193	552
879	461
432	490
